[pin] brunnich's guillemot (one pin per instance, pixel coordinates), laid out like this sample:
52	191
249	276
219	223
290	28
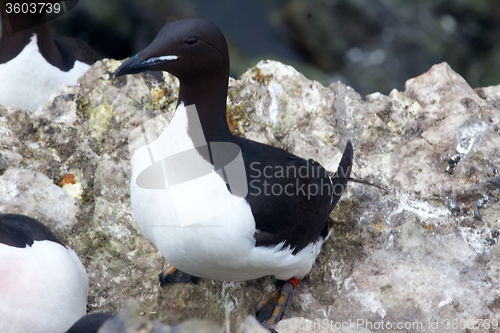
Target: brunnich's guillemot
43	285
198	170
33	64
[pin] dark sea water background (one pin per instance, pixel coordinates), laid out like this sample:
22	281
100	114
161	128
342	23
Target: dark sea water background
371	45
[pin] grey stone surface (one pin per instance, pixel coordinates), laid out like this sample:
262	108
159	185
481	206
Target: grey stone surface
130	321
424	252
21	186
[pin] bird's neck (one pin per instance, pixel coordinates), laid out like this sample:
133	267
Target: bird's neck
12	43
210	102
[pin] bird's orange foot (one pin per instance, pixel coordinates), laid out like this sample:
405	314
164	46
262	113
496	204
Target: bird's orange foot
275	308
173	275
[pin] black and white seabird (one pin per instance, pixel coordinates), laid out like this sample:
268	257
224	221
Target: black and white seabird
33	64
90	323
272	223
43	285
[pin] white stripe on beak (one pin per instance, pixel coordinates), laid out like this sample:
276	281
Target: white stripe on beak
167	57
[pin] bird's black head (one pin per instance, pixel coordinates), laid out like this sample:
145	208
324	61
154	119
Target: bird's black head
188	49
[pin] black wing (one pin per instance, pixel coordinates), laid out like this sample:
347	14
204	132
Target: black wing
90	323
291	207
20	230
73	49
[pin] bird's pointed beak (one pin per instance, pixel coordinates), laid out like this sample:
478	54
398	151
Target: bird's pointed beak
137	64
132	65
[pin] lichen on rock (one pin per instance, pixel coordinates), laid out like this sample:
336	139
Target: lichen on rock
426	251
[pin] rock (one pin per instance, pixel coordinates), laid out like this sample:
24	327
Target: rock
415	255
34	194
490	94
129	321
252	326
377	46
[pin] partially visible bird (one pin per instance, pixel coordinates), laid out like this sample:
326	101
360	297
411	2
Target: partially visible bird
33	63
220	206
43	285
90	323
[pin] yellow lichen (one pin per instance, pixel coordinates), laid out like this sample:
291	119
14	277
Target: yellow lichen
380	226
99	118
157	93
71	186
260	77
236	117
114	64
74	190
479	156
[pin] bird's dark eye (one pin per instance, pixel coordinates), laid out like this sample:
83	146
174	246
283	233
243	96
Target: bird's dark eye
191	40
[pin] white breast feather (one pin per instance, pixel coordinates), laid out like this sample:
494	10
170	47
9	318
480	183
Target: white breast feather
28	80
43	288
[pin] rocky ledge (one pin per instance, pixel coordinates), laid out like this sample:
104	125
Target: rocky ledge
425	252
